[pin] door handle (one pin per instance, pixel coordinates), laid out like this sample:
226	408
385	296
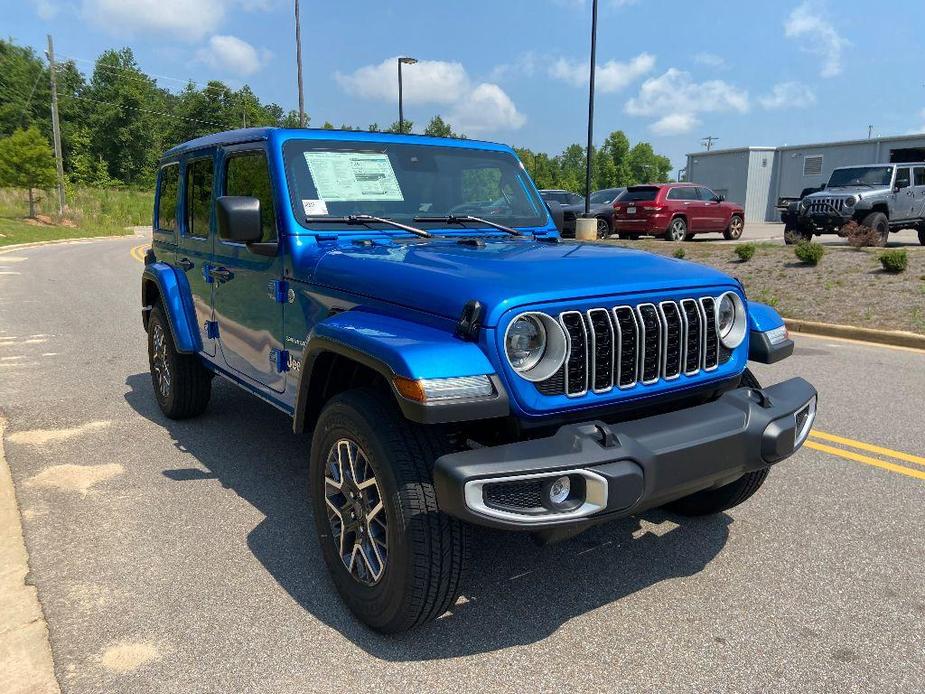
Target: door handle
186	264
221	274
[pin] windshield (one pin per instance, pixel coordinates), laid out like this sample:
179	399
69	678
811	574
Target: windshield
403	181
861	175
604	196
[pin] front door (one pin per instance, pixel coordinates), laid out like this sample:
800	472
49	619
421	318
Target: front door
194	250
246	301
713	210
903	195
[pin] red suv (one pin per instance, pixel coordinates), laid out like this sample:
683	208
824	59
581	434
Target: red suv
676	211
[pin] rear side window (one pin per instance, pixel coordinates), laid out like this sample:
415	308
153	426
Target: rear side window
198	197
168	190
682	194
919	175
247	174
639	194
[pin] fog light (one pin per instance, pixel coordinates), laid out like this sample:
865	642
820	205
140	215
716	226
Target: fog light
559	491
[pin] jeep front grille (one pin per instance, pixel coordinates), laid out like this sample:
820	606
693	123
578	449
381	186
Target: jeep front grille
826	205
625	345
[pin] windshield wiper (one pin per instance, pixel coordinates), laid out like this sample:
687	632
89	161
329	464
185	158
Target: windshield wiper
463	218
365	219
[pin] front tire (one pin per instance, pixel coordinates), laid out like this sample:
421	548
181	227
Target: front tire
922	236
182	385
383	513
711	501
793	235
735	228
879	223
677	230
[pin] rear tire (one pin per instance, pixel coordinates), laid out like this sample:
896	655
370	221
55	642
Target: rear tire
879	223
603	229
922	236
425	551
688	236
711	501
677	230
182	385
735	228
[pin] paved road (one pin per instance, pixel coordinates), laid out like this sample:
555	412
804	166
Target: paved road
177	557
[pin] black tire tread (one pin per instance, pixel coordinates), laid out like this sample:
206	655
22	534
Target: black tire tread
191	381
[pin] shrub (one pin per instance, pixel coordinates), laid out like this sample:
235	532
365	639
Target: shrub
894	261
809	252
679	253
859	236
745	251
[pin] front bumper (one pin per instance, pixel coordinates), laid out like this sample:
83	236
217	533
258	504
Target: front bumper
628	467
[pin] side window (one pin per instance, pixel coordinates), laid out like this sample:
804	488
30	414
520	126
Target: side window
918	176
168	190
683	193
247	174
576	199
198	197
674	194
902	178
706	194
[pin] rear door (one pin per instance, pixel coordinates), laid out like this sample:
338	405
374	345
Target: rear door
248	305
904	194
684	200
918	188
194	247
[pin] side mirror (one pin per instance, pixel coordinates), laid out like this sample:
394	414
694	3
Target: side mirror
896	189
719	198
239	219
558	215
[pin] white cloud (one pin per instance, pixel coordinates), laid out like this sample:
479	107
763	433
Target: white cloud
427	81
475	108
788	95
675	99
675	124
189	19
232	55
611	76
46	9
523	66
818	35
486	109
710	60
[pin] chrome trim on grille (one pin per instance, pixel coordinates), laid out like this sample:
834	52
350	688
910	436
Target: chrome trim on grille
642	342
619	360
681	339
700	331
592	375
706	324
568	357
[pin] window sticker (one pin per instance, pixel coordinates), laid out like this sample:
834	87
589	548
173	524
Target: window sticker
314	207
352	176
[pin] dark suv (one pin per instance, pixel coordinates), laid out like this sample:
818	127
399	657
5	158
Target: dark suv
676	211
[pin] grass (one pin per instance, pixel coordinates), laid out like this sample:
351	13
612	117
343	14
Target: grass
89	212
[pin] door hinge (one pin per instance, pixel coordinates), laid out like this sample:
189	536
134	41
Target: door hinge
279	359
212	329
278	291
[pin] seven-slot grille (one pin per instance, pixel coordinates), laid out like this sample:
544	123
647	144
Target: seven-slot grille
626	345
825	205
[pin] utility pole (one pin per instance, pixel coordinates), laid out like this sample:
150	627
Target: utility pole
298	53
401	108
708	142
870	131
591	110
55	127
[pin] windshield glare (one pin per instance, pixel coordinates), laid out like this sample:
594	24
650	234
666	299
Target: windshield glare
403	181
861	175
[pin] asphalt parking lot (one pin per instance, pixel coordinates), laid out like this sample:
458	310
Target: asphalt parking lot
180	556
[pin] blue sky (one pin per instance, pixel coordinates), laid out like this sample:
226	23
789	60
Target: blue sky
670	72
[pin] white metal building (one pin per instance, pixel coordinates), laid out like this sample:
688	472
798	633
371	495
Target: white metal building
755	177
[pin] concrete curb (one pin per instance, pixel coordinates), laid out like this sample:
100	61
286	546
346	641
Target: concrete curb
52	242
895	338
26	664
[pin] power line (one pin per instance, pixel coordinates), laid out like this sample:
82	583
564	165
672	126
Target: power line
145	110
708	142
139	74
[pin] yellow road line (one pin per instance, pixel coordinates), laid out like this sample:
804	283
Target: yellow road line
857	457
908	457
138	252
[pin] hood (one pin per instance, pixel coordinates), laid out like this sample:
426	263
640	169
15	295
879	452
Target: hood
440	276
836	191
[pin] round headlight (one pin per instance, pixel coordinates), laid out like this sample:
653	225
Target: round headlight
851	200
535	345
731	320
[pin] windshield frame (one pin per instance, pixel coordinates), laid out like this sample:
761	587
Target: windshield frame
885	168
291	150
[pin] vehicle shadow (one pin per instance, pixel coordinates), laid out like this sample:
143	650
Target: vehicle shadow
517	593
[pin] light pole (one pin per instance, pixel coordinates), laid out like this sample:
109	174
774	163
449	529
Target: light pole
298	53
401	110
591	110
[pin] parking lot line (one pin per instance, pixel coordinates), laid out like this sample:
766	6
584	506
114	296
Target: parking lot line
851	443
867	460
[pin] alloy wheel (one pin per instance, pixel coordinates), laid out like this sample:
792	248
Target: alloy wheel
735	227
603	229
159	361
678	230
356	512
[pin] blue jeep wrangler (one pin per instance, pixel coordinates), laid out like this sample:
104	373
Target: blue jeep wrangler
408	302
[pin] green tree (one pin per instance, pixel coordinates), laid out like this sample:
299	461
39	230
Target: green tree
407	127
440	128
27	161
647	166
